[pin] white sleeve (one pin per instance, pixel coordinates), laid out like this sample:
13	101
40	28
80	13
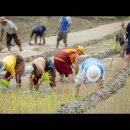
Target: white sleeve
69	20
60	20
80	76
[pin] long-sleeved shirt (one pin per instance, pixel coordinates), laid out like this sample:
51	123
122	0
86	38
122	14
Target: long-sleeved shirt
10	62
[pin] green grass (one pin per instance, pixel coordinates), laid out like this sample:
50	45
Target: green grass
102	46
117	103
17	102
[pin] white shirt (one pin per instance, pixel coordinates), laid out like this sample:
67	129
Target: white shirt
9	27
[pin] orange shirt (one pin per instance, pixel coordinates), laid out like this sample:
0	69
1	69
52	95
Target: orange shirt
71	53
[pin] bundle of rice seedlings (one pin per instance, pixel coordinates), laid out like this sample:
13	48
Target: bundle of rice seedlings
45	77
4	83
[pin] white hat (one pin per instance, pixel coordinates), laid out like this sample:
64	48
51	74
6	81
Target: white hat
2	66
93	73
29	69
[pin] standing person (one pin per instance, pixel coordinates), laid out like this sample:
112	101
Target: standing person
121	39
67	59
11	32
91	70
127	57
14	65
39	67
39	31
63	29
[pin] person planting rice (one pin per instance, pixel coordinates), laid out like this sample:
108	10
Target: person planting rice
38	31
14	65
91	71
38	68
121	39
67	59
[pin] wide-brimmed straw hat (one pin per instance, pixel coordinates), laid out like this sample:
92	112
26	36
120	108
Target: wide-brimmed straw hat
81	49
3	19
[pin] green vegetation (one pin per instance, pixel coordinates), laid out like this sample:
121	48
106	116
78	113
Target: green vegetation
4	83
17	102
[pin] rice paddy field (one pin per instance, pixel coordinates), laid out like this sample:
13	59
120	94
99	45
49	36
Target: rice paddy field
47	101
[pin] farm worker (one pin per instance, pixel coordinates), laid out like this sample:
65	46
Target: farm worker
14	65
63	29
127	57
91	71
67	59
38	68
121	39
39	31
11	32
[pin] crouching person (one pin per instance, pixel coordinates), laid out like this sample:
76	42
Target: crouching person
39	67
67	59
14	65
91	71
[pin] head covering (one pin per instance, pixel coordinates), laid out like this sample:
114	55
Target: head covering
81	49
29	69
93	73
3	19
2	66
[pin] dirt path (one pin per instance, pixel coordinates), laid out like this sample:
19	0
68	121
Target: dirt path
75	37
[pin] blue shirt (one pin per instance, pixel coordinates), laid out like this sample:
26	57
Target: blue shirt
64	23
83	69
40	28
92	61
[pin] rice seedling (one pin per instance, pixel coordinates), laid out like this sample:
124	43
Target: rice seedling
4	83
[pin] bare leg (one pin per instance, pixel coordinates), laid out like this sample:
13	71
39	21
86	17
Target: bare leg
65	42
76	90
70	77
30	41
61	77
57	45
122	52
99	85
36	87
40	41
31	83
18	81
44	40
20	48
127	60
65	39
9	48
35	39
